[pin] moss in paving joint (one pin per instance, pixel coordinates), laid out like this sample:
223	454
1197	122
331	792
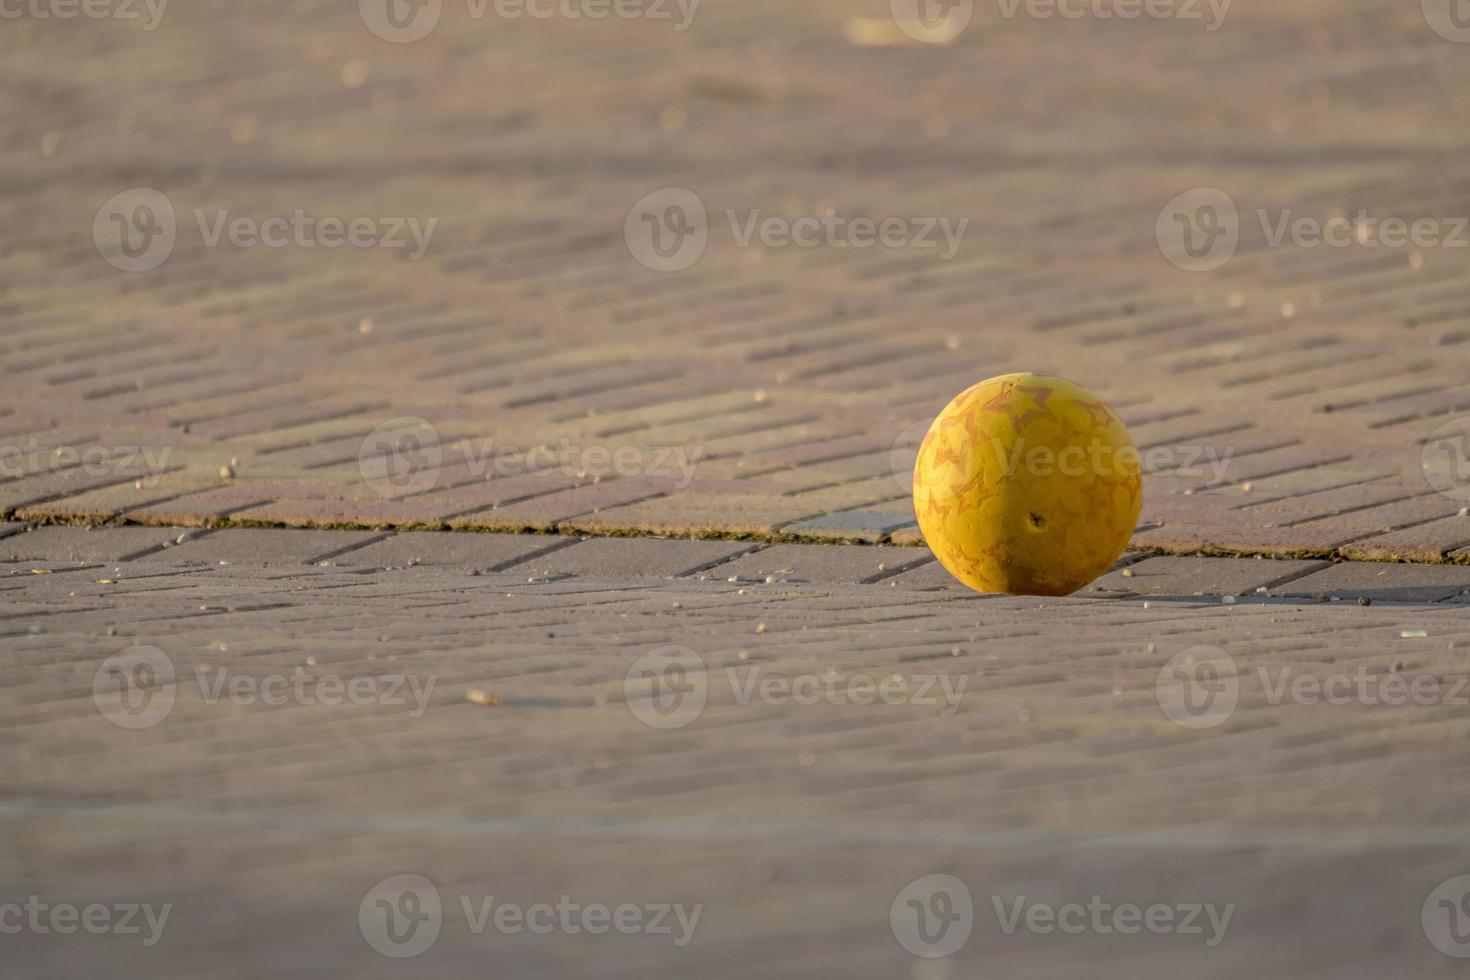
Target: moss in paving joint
568	529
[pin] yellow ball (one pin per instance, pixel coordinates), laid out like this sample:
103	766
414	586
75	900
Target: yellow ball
1027	484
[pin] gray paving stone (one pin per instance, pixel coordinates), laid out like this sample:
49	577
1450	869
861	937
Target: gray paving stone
6	530
932	575
796	825
853	525
638	557
481	551
266	546
1059	771
1184	575
1382	582
849	564
929	575
94	544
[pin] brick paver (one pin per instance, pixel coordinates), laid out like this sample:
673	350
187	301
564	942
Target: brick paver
1378	581
1287	399
805	563
622	558
1172	575
99	544
495	745
491	552
268	546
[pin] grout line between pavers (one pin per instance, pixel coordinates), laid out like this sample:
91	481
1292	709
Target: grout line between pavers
349	549
1288	579
711	565
888	573
222	522
557	545
155	549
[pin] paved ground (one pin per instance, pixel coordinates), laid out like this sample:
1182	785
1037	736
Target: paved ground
259	728
1288	397
260	731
